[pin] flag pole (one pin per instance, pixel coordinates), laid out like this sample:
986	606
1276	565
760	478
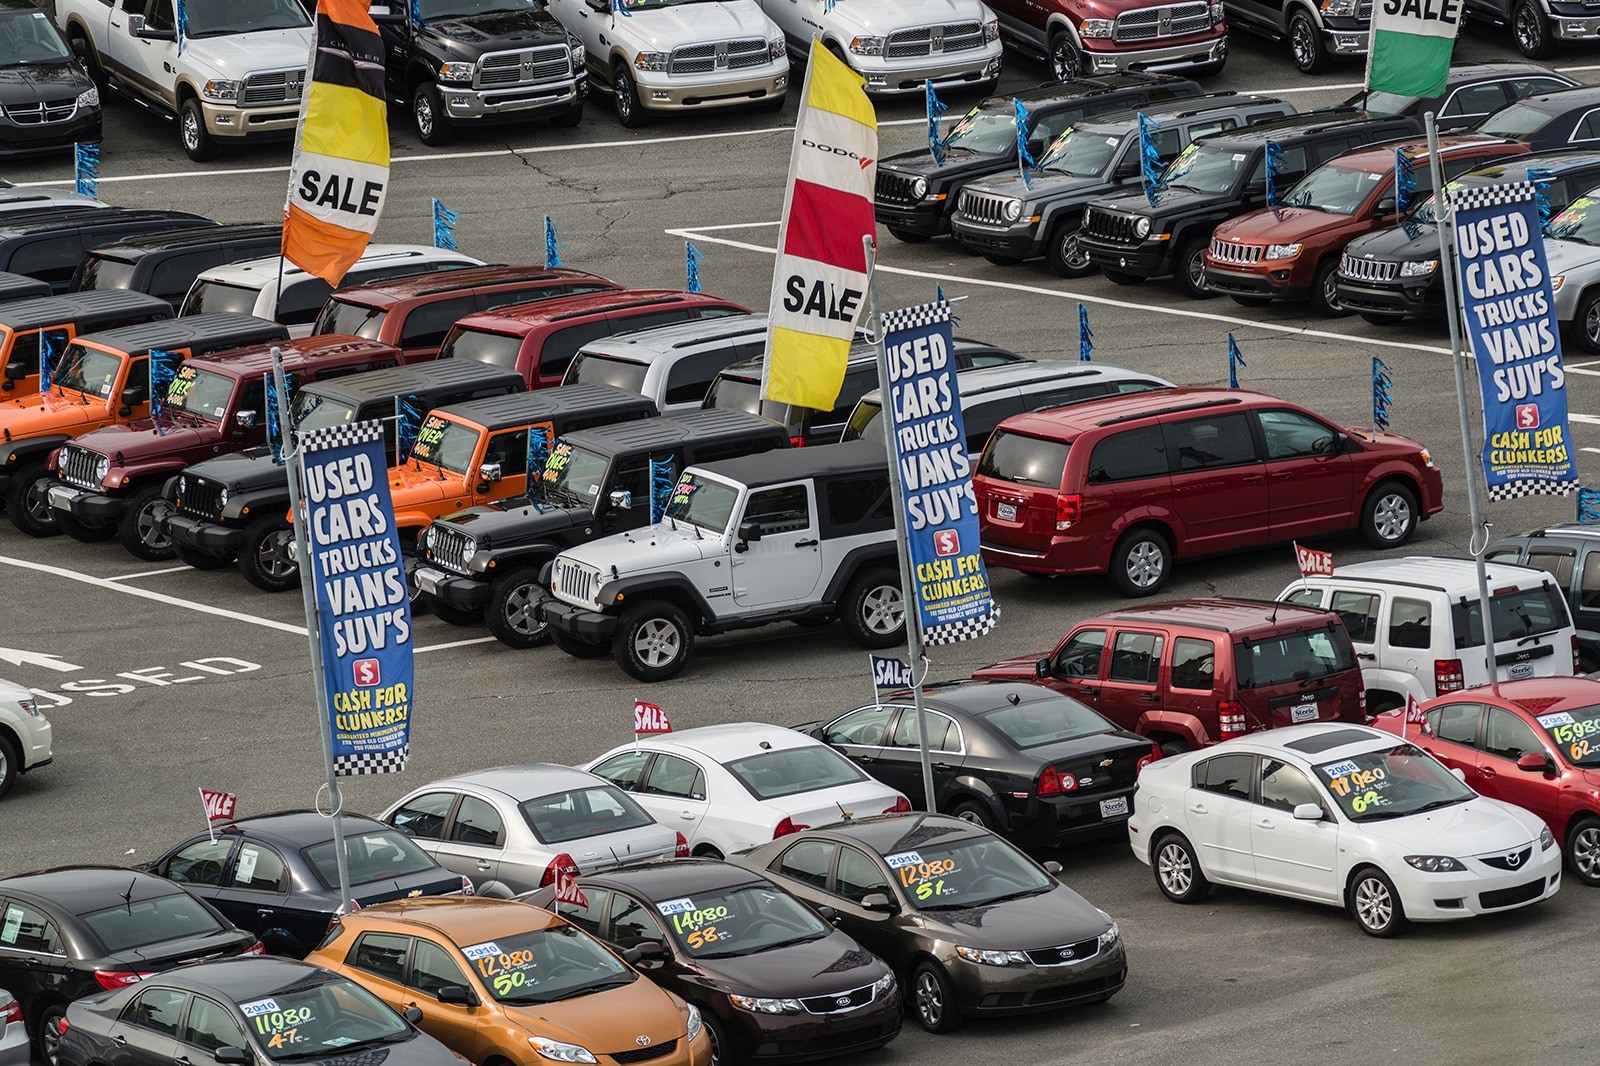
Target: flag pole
294	465
901	536
1452	303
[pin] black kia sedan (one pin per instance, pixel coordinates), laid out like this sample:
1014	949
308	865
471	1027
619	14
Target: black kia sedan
48	102
277	874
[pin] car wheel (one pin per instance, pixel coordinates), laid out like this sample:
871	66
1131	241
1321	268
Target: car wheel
1325	291
140	525
1189	270
1250	301
1587	321
706	851
1532	32
427	115
1141	562
48	1036
976	813
578	649
625	95
198	143
1178	873
510	614
1374	904
1305	44
653	640
10	765
85	532
933	1000
200	560
27	503
1064	255
1583	849
1066	62
1372	318
1169	748
905	236
449	615
1389	516
1121	277
265	560
722	1053
874	611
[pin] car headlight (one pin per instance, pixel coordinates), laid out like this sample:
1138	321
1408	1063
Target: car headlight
919	188
776	48
469	548
760	1005
991	30
1110	937
992	958
90	97
1282	251
575	43
1141	225
102	467
429	535
867	46
1546	841
1340	8
1013	209
1419	269
1218	13
1094	28
30	707
1557	281
651	60
560	1052
222	498
1435	864
457	72
883	986
222	90
695	1023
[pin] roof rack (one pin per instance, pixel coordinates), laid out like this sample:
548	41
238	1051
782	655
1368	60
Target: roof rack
1198	405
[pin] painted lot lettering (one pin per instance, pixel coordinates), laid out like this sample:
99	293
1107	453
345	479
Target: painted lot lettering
214	666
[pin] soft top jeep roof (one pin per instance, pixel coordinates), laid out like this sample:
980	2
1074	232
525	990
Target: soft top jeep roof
793	464
54	310
358	389
703	426
525	408
298	355
220	328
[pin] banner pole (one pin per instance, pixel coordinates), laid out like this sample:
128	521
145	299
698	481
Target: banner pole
294	465
1452	305
901	536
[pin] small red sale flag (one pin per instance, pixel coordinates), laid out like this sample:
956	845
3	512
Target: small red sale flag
219	805
648	718
1313	563
567	890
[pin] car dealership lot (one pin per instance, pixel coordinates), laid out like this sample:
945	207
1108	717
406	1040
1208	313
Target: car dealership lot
176	705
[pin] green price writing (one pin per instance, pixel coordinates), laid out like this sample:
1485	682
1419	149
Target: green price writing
279	1020
1574	731
684	921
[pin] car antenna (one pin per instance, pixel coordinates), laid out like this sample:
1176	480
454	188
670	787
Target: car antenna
1013	699
127	897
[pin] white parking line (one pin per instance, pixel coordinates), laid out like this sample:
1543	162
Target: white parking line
1588	420
148	573
454	644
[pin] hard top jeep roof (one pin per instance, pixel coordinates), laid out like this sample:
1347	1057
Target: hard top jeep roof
419	378
1175	109
224	328
391	291
524	318
129	249
1293	128
20	286
1241	617
703	426
259	273
1124	83
54	310
1115	410
1454	577
47	221
525	408
298	355
793	464
658	342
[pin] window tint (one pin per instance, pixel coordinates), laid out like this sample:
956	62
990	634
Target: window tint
1292	435
1226	775
858	876
556	353
1509	736
632	921
624	770
1410	623
376	856
1305	597
692	375
260	869
1285	787
1080	656
1292	164
154	920
210	1025
510	450
1520	87
781	510
1589	581
1359	612
583	812
859	727
172	276
943	734
156	1009
1475	100
791	771
52	259
1136	658
587	915
1557	562
808	861
851	502
1133	453
200	863
432	968
1297	656
672	776
1217	441
28	929
477	822
424	816
300	301
382	954
1025	460
159	16
1193	663
1456	722
427	324
1588	127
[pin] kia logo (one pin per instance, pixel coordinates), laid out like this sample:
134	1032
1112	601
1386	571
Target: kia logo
642	1040
843	1001
1066	953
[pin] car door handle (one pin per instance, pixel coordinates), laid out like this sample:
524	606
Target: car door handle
1282	477
1149	697
1266	823
120	1040
485	864
1485	771
865	758
941	766
687	816
812	543
182	1060
1198	808
264	912
1086	692
1367	655
1251	480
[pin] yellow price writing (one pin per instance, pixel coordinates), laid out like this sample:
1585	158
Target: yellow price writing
1365	800
505	982
1345	784
490	965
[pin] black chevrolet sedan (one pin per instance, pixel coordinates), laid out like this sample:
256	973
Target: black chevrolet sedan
243	1011
1018	758
47	100
277	874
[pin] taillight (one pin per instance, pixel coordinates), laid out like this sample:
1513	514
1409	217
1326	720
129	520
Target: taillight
1069	508
1447	676
682	851
563	863
1577	660
786	827
901	806
797	442
1053	782
11	1012
258	948
111	980
467	888
1146	760
1230	719
61	1025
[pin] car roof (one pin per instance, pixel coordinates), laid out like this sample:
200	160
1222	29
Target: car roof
648	345
463	919
131	248
396	381
1187	107
792	464
1316	742
1121	83
525	408
298	355
1292	126
1558	162
391	291
863	352
675	877
981	380
51	310
525	781
20	224
1434	571
1565	529
1218	613
297	829
82	889
1381	157
975	696
244	976
733	740
177	332
888	833
704	424
1131	407
256	273
526	315
1562	100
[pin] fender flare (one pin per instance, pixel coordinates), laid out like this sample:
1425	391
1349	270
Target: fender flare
1181	723
856	561
671	587
27	449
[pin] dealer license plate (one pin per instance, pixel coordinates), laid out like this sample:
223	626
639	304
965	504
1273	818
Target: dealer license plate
1305	712
1517	672
427	578
1006	512
60	496
1114	808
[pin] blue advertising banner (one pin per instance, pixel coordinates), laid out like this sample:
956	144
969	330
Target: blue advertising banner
929	444
363	615
1509	310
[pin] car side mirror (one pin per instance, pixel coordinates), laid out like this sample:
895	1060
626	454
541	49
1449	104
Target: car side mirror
382	13
878	901
134	395
17	369
245	419
650	949
459	995
1043	668
1308	812
632	955
749	530
1385	206
412	1014
828	914
601	6
235	1056
1534	762
490	472
1255	188
620	499
138	27
1052	868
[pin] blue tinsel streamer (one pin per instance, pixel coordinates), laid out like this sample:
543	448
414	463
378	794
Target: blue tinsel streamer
444	227
1405	182
1024	157
274	428
182	19
1150	159
552	246
954	321
1085	336
163	372
47	361
1274	161
538	452
88	168
662	479
621	8
1540	178
693	257
1381	398
936	110
414	11
408	423
1235	361
1589	505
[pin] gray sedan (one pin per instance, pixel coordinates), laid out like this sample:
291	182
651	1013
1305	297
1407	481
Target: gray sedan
13	1037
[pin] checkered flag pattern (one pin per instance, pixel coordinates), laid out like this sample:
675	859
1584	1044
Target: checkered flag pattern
918	317
1512	192
363	764
1516	490
327	438
966	629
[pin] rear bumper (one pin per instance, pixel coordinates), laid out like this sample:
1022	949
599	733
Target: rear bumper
208	538
1054	820
1062	556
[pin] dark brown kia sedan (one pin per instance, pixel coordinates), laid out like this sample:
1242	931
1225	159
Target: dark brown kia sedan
970	924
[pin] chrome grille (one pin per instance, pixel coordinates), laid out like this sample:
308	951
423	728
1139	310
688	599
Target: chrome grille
718	55
575	582
1364	12
41	112
981	207
839	1001
1149	23
1109	225
1229	252
1515	860
77	466
895	188
499	70
450	548
1062	954
1368	269
278	87
199	497
933	40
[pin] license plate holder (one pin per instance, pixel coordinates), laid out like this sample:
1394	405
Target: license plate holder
1006	512
60	496
1303	712
1114	808
427	578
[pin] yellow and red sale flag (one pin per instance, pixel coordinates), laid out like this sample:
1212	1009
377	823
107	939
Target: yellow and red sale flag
340	172
819	287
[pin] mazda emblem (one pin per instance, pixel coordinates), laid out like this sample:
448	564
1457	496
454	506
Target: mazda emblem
843	1001
642	1040
1514	859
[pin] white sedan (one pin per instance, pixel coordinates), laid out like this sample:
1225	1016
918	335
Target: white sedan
731	787
1343	815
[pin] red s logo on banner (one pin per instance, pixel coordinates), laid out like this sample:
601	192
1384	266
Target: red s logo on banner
1313	563
648	718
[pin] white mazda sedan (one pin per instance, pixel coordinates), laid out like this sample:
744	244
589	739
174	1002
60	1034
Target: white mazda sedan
1343	815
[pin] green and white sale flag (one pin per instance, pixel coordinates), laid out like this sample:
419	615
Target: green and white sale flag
1411	42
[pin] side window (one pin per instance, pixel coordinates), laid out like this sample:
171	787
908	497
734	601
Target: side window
1475	100
52	258
1410	623
785	509
1205	129
1520	87
1169	142
1588	127
1359	612
477	822
1512	554
1557	562
1292	165
1589	581
691	376
159	16
586	916
702	313
210	1025
858	876
1207	443
1509	736
1080	656
1305	597
860	727
510	450
173	275
624	770
424	816
623	323
556	353
633	477
1456	722
254	398
808	861
1226	775
632	921
427	324
672	776
28	929
1193	663
381	954
1131	454
200	863
1285	787
157	1009
1323	151
1292	435
1136	658
432	968
943	734
299	303
852	501
260	869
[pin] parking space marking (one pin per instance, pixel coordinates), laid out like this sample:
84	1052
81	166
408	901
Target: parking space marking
453	644
148	573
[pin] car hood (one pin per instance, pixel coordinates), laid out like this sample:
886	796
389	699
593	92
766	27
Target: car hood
520	518
663	28
250	469
60	80
1059	916
833	964
417	484
956	163
473	35
1285	225
1476	827
1566	256
34	415
880	17
1415	240
1172	202
653	548
138	439
606	1022
1023	668
237	54
1041	184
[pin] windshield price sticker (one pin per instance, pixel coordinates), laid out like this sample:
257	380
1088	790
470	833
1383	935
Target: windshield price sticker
927	879
1579	735
258	1007
428	436
904	858
507	971
684	921
1355	787
682	491
481	951
559	457
675	906
283	1026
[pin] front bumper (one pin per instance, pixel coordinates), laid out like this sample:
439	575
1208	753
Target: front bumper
1424	297
579	623
1000	990
465	593
1249	283
1102	56
1148	259
40	138
885	78
928	217
659	92
1021	240
1566	28
1445	897
37	735
226	120
462	103
201	535
801	1037
84	505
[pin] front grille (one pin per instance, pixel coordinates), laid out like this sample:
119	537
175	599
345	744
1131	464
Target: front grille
77	466
1065	953
933	40
1109	225
1364	12
1150	23
982	207
42	112
1517	860
575	582
895	188
501	70
1228	252
645	1054
450	548
278	87
199	497
1510	897
1367	269
718	55
840	1001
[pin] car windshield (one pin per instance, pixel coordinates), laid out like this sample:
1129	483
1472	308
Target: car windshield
1047	721
583	812
88	370
496	349
1517	121
26	36
308	411
1335	189
739	921
207	297
446	444
380	855
340	316
223	18
103	272
139	923
1391	783
1083	153
988	130
1378	102
1576	733
546	965
1579	223
1205	168
592	368
325	1015
200	392
427	10
573	474
969	873
702	501
792	771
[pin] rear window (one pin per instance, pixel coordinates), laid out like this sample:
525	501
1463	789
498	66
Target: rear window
1299	656
339	316
864	421
211	297
376	856
151	921
103	272
1518	613
1030	725
734	394
1518	122
591	368
583	812
792	771
496	349
1025	460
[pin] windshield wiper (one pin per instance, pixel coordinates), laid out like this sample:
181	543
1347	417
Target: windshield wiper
1021	893
598	986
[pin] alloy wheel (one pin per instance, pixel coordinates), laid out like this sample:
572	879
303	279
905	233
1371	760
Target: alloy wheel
1177	874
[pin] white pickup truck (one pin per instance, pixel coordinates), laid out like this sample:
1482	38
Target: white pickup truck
897	45
679	55
240	73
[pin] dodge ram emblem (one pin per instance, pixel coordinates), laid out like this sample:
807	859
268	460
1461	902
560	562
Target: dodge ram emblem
1166	22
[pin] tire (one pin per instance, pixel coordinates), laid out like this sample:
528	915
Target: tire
1531	31
874	612
264	559
905	236
427	115
1121	277
1177	870
1325	291
722	1052
1189	269
510	611
932	999
1372	318
198	144
139	528
10	765
1582	848
578	649
1141	562
976	813
1389	516
568	119
1374	904
199	559
1064	255
47	1038
85	532
26	503
79	43
1586	323
653	641
706	851
1065	60
625	97
1306	47
1169	748
1250	301
452	616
